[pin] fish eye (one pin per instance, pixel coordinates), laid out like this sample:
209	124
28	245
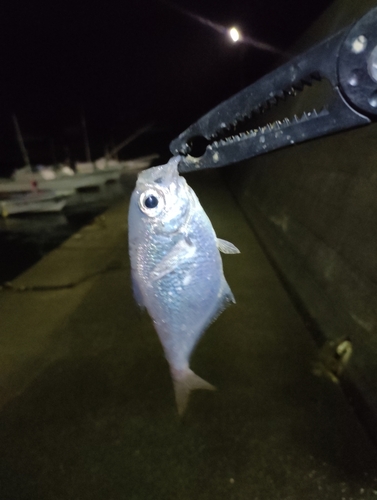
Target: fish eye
151	202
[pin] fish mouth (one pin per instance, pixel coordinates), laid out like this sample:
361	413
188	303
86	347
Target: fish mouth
162	175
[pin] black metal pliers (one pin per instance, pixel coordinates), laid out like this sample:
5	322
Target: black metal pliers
228	133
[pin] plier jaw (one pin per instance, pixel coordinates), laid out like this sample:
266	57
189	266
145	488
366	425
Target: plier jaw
228	134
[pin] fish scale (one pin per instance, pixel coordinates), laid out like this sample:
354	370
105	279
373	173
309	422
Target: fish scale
176	268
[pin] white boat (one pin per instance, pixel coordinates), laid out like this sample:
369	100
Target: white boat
64	181
34	202
112	168
89	176
61	179
137	164
25	180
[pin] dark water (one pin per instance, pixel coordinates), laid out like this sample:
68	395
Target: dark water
25	239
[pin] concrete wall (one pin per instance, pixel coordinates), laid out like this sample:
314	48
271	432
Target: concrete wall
314	208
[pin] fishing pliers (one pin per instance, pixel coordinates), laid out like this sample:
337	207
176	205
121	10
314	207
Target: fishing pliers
239	128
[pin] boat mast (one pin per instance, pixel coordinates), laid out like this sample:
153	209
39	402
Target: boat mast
86	140
21	144
129	139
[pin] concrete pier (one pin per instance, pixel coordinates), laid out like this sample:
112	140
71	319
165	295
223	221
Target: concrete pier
87	405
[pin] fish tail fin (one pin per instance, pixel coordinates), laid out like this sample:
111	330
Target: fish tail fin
186	381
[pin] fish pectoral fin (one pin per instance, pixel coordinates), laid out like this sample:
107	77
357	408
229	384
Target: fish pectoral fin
185	382
184	249
226	247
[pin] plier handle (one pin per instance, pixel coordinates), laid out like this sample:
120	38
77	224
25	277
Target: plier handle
227	134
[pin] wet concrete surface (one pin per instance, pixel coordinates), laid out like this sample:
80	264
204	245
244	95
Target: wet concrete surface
87	403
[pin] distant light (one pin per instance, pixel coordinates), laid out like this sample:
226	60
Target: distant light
234	34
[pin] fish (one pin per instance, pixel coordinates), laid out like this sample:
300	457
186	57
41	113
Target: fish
176	268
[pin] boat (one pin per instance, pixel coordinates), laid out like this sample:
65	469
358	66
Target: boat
65	181
113	167
63	178
32	202
137	164
89	176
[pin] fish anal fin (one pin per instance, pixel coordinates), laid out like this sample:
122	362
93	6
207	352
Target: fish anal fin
226	246
184	382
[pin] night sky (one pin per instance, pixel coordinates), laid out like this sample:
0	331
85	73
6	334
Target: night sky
128	64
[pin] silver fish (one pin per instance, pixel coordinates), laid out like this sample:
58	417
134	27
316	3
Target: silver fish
176	268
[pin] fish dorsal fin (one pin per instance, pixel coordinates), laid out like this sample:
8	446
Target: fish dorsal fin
226	247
